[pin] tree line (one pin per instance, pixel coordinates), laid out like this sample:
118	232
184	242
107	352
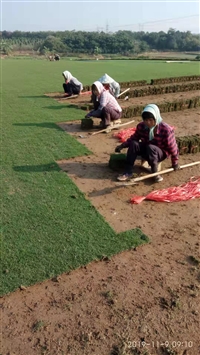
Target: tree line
121	42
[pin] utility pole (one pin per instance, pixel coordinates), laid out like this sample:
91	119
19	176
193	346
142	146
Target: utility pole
140	27
107	26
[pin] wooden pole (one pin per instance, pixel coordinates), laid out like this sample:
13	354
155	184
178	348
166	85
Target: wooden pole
112	127
123	92
69	97
134	181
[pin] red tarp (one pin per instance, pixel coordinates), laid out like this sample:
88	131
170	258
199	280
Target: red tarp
86	93
184	192
124	134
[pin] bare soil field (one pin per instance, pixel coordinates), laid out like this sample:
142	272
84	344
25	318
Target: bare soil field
140	302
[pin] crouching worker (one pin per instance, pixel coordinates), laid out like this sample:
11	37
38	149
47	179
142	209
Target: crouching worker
108	110
109	84
56	57
153	140
71	86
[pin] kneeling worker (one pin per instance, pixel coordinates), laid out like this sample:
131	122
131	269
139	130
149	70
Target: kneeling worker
110	84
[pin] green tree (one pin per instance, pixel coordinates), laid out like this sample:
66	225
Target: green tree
97	50
6	48
53	44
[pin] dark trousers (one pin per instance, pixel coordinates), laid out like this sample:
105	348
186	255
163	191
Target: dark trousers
149	152
108	115
71	89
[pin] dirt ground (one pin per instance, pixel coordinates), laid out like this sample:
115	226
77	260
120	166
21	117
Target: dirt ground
142	302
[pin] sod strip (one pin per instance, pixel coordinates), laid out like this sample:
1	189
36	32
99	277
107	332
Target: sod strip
48	227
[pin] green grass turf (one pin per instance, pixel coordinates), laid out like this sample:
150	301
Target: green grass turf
45	230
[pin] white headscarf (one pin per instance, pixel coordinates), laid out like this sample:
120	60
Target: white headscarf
99	87
106	79
67	75
156	113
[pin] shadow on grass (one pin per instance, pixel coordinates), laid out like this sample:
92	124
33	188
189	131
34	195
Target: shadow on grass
55	107
42	124
83	170
33	97
37	168
73	106
61	106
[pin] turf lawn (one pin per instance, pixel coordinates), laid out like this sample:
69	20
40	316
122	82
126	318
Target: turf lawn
45	230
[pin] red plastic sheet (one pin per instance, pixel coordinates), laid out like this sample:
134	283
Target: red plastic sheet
86	93
184	192
124	134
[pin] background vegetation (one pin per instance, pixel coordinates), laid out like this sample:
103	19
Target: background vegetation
121	42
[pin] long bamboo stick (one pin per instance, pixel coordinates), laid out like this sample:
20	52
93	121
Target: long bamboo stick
123	92
133	181
112	127
69	97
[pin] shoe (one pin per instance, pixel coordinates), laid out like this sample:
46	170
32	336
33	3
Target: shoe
124	177
158	178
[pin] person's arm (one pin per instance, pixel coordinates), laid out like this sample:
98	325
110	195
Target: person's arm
102	103
171	148
103	100
94	113
135	137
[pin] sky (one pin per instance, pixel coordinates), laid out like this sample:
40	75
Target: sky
102	15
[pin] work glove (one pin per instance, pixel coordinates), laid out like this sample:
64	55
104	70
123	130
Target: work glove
118	149
176	167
